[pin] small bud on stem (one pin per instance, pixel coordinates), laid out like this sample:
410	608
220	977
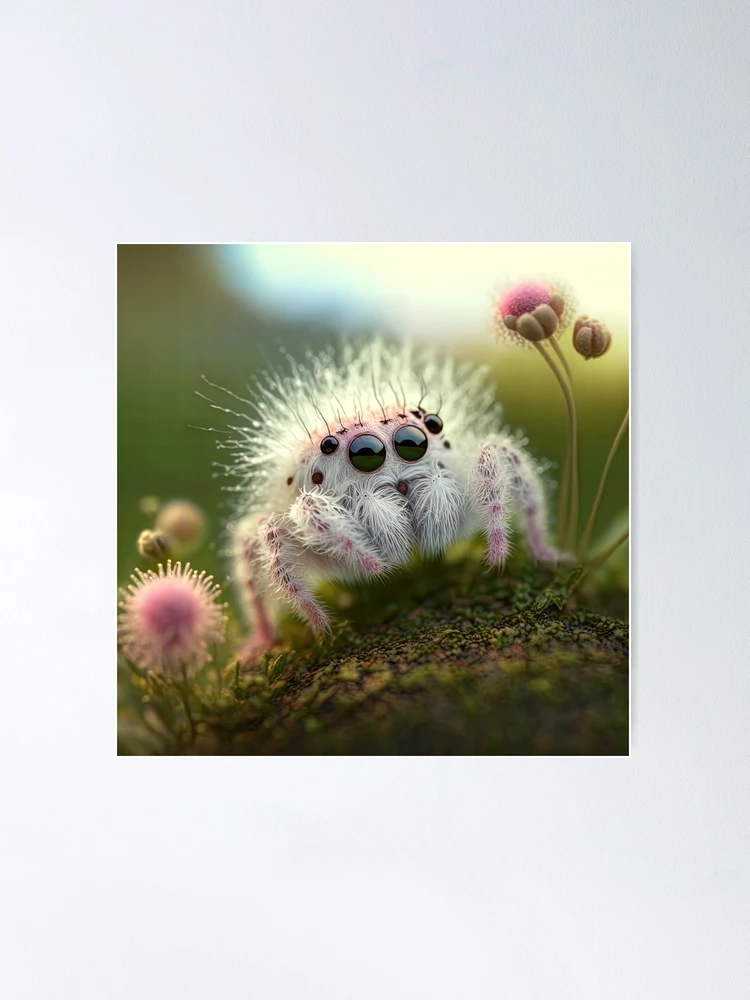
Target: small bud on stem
591	338
153	545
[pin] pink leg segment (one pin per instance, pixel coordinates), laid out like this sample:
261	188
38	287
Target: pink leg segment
280	553
530	498
264	631
504	479
490	497
331	530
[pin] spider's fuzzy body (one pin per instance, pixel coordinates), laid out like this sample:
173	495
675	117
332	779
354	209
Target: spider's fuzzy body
347	466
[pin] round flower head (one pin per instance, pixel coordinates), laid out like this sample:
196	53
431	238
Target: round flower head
168	619
591	338
530	311
185	524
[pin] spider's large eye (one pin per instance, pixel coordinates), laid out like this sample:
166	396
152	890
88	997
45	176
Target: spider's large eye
410	442
329	444
433	423
367	453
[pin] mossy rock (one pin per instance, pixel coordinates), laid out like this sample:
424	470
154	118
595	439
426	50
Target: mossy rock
445	659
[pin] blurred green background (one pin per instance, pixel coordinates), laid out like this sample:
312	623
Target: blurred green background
185	311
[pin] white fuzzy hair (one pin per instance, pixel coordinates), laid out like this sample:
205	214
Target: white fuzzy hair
303	513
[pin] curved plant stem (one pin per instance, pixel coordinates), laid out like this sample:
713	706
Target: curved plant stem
561	356
570	529
562	507
601	559
592	516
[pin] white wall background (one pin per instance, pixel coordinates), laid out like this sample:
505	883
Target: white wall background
375	878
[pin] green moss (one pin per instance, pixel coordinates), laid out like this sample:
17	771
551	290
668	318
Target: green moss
456	661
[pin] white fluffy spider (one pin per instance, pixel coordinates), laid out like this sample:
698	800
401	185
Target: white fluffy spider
345	468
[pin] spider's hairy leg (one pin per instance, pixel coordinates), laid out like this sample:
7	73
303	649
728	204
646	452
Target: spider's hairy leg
328	528
248	576
528	492
383	514
437	505
489	496
531	501
280	553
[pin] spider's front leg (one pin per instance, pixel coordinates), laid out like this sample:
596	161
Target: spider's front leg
383	514
248	574
436	503
504	478
269	551
331	530
281	551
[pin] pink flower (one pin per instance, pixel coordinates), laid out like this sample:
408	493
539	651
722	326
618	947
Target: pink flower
523	298
169	619
530	311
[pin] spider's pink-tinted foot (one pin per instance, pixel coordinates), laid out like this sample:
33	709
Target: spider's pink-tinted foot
530	500
538	545
497	548
316	618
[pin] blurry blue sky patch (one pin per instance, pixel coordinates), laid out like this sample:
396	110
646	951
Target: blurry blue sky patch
298	283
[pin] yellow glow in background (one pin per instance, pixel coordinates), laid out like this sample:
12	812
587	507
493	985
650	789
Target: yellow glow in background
438	289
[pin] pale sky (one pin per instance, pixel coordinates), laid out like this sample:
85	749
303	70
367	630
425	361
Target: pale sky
423	288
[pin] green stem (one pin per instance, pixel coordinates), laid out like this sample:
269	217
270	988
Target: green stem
186	701
604	556
561	356
572	524
562	507
595	508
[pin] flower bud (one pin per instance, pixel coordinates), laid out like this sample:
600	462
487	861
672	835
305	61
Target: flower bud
185	524
530	328
153	545
558	304
591	338
546	316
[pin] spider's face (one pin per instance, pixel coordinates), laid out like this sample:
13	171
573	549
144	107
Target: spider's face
382	449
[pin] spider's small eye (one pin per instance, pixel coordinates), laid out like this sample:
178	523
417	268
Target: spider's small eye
410	443
433	423
328	445
367	453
